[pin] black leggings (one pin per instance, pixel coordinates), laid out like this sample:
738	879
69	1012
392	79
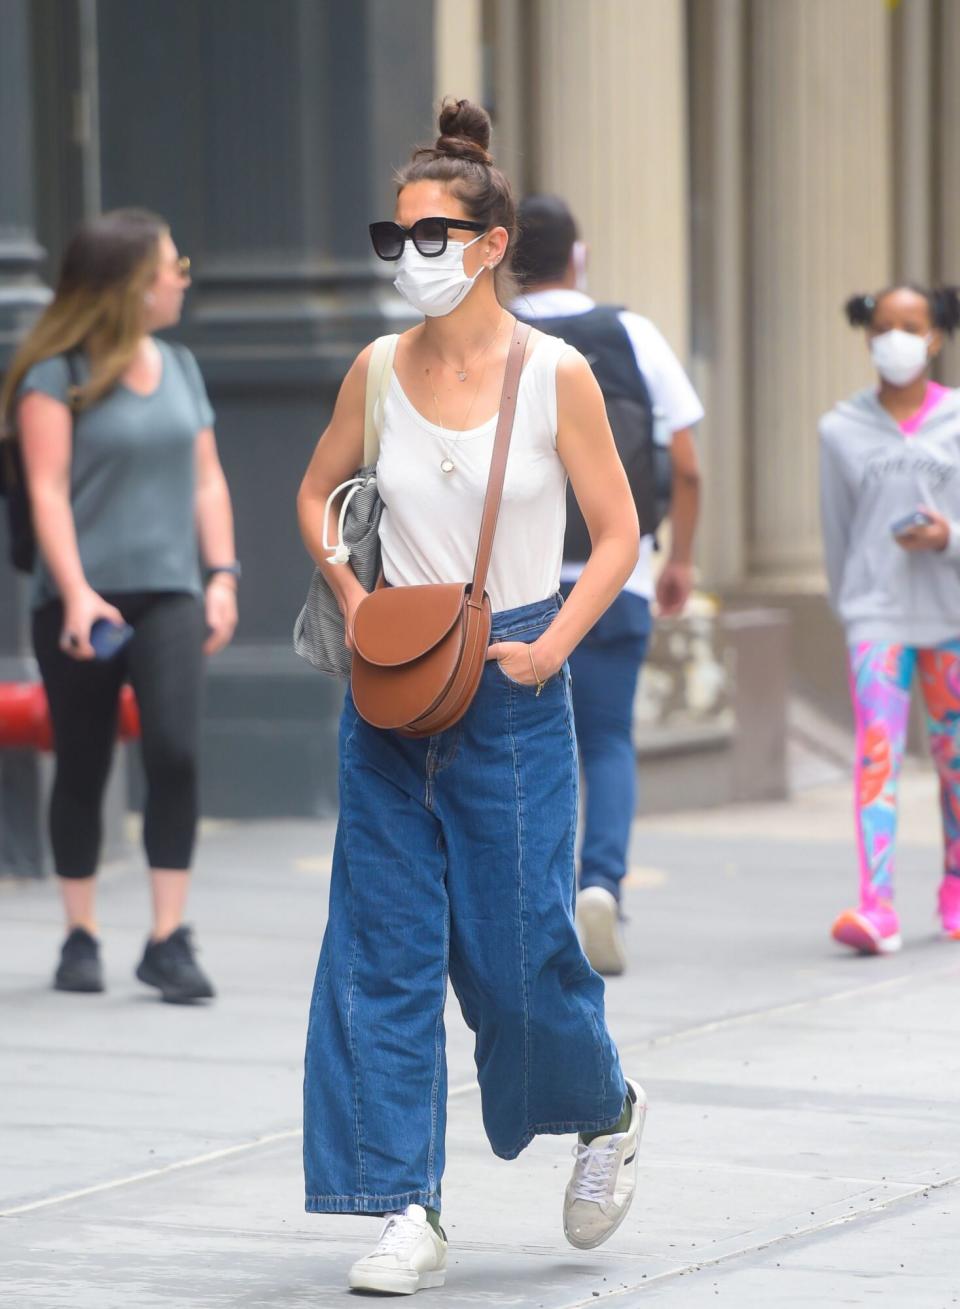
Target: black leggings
164	662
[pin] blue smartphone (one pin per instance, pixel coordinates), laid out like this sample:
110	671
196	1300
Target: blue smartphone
901	526
108	639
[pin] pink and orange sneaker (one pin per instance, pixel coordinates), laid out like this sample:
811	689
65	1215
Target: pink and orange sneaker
872	929
948	903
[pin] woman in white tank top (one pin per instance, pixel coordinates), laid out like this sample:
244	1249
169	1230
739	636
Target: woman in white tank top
455	853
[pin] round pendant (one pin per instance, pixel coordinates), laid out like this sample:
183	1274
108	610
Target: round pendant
446	465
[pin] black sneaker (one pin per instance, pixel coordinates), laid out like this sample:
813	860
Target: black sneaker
171	965
80	968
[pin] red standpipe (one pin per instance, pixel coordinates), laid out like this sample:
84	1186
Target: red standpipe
25	717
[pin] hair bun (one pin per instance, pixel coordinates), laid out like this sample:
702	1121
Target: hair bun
945	302
859	310
464	131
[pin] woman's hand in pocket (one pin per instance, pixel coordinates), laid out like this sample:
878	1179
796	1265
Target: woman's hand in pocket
522	663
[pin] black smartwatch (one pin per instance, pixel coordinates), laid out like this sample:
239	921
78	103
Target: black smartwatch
233	570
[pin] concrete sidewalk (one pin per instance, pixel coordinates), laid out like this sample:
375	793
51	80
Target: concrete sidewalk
802	1147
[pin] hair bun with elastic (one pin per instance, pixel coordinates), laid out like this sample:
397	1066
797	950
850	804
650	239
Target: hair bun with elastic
464	132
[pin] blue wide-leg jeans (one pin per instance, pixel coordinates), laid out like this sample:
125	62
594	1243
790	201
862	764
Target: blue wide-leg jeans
454	856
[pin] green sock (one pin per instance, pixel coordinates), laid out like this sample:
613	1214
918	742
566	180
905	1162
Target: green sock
433	1218
621	1125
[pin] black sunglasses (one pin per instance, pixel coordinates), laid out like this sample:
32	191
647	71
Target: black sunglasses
429	235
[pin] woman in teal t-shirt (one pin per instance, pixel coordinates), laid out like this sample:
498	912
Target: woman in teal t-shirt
124	481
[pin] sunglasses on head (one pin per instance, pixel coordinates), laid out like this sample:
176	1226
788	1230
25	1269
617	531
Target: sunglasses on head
429	235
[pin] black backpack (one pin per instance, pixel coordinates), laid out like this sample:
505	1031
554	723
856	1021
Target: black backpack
601	337
13	487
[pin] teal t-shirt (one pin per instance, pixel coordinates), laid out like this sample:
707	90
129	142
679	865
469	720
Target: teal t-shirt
132	477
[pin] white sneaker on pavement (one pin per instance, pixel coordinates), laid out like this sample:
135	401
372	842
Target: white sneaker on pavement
604	1179
598	918
409	1257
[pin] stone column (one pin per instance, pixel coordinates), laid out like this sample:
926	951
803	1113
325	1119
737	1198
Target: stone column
507	37
718	106
458	50
947	109
22	295
912	60
608	90
820	228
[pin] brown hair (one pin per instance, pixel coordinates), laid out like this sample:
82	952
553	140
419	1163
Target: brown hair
98	304
460	159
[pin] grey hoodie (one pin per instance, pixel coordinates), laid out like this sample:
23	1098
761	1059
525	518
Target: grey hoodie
871	474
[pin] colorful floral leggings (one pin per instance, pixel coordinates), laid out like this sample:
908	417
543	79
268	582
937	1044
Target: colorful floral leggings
880	677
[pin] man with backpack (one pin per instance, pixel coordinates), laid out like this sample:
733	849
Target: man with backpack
653	409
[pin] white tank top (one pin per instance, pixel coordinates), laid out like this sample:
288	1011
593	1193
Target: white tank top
431	519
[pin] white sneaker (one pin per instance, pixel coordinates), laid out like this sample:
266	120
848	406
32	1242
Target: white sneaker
604	1179
598	918
409	1257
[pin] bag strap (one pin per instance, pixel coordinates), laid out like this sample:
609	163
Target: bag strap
498	461
72	360
11	460
379	372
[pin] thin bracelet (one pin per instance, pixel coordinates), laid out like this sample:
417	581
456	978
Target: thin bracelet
536	676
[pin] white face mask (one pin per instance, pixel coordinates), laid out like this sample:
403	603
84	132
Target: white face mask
435	286
899	357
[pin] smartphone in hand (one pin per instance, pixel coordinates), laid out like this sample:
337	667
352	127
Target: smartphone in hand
108	639
906	524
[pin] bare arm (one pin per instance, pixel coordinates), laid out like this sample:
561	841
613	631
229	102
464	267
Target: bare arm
46	439
586	447
338	455
215	530
676	580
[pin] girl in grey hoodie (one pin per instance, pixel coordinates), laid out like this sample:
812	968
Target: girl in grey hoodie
890	505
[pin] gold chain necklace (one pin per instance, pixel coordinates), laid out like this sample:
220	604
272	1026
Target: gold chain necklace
463	372
446	463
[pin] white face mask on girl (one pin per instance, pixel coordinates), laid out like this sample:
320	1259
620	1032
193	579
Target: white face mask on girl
899	357
435	285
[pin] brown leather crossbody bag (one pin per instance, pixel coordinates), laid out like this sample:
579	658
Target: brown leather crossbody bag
419	651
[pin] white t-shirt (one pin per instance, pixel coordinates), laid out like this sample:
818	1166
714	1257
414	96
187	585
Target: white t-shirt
430	524
670	391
